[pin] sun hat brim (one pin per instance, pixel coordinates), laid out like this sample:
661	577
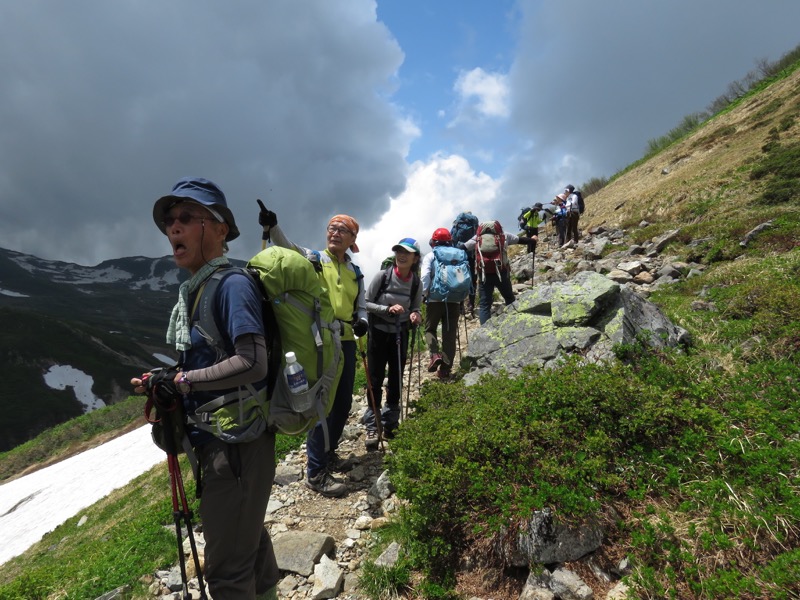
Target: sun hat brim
202	192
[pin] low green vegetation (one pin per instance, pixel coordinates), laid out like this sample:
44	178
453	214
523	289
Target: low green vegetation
124	536
699	450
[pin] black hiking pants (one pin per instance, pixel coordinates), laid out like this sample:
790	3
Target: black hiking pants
382	352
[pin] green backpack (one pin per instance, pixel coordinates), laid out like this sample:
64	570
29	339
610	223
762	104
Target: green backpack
298	317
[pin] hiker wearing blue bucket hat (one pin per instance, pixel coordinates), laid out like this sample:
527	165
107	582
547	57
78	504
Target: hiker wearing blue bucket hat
394	300
236	470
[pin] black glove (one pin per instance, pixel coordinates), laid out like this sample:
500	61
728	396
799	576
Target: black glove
160	386
360	328
526	240
266	218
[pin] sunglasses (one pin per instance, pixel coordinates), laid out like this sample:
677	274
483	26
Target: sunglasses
339	230
184	218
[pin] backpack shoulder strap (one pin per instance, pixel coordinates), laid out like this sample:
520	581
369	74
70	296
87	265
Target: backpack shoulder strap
384	284
203	316
360	282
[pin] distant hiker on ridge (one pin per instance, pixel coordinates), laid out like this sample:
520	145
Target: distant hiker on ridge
560	218
345	285
574	206
529	221
236	477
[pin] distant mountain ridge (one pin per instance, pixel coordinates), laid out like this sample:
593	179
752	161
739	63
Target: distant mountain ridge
107	321
156	274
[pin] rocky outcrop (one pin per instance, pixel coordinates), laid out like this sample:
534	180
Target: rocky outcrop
587	316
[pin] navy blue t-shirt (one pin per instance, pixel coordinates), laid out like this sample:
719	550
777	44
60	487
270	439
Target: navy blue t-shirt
237	310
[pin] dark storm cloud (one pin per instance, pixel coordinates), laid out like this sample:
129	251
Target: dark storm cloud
105	105
593	82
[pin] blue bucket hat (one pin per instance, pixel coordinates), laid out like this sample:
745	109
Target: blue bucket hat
201	191
407	244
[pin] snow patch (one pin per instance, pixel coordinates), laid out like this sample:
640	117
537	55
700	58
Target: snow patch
12	294
61	377
35	504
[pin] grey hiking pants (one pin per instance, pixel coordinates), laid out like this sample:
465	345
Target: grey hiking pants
237	481
447	313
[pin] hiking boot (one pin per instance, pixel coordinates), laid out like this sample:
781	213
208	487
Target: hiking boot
371	443
337	464
436	360
326	484
443	372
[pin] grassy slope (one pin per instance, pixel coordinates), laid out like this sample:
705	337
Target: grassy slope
707	172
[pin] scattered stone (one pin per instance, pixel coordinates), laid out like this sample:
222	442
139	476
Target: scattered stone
390	556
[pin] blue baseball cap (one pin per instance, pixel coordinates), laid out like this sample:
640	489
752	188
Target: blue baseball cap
203	192
407	244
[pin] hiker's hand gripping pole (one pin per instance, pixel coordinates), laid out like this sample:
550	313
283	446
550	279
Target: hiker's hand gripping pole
159	384
267	219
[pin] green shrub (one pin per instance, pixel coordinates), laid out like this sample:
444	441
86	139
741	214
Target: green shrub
782	164
553	441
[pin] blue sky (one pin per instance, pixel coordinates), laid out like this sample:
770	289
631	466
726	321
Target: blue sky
441	42
400	113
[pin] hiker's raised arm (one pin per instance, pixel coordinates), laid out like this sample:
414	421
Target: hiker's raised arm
279	239
267	219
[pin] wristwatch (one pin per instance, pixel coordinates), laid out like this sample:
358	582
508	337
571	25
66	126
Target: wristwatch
184	385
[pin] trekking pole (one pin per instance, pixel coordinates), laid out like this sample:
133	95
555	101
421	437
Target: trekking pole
419	374
371	395
533	262
399	342
458	331
184	513
166	412
410	369
466	337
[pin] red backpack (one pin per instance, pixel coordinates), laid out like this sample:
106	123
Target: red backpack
491	248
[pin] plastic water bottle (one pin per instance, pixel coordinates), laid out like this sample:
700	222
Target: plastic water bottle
295	374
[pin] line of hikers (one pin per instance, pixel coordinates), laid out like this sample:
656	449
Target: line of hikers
563	213
273	348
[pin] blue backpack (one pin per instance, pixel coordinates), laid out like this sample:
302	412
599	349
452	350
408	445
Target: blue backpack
464	227
452	281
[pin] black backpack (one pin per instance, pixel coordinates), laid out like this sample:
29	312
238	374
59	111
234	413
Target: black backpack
464	227
581	205
521	220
